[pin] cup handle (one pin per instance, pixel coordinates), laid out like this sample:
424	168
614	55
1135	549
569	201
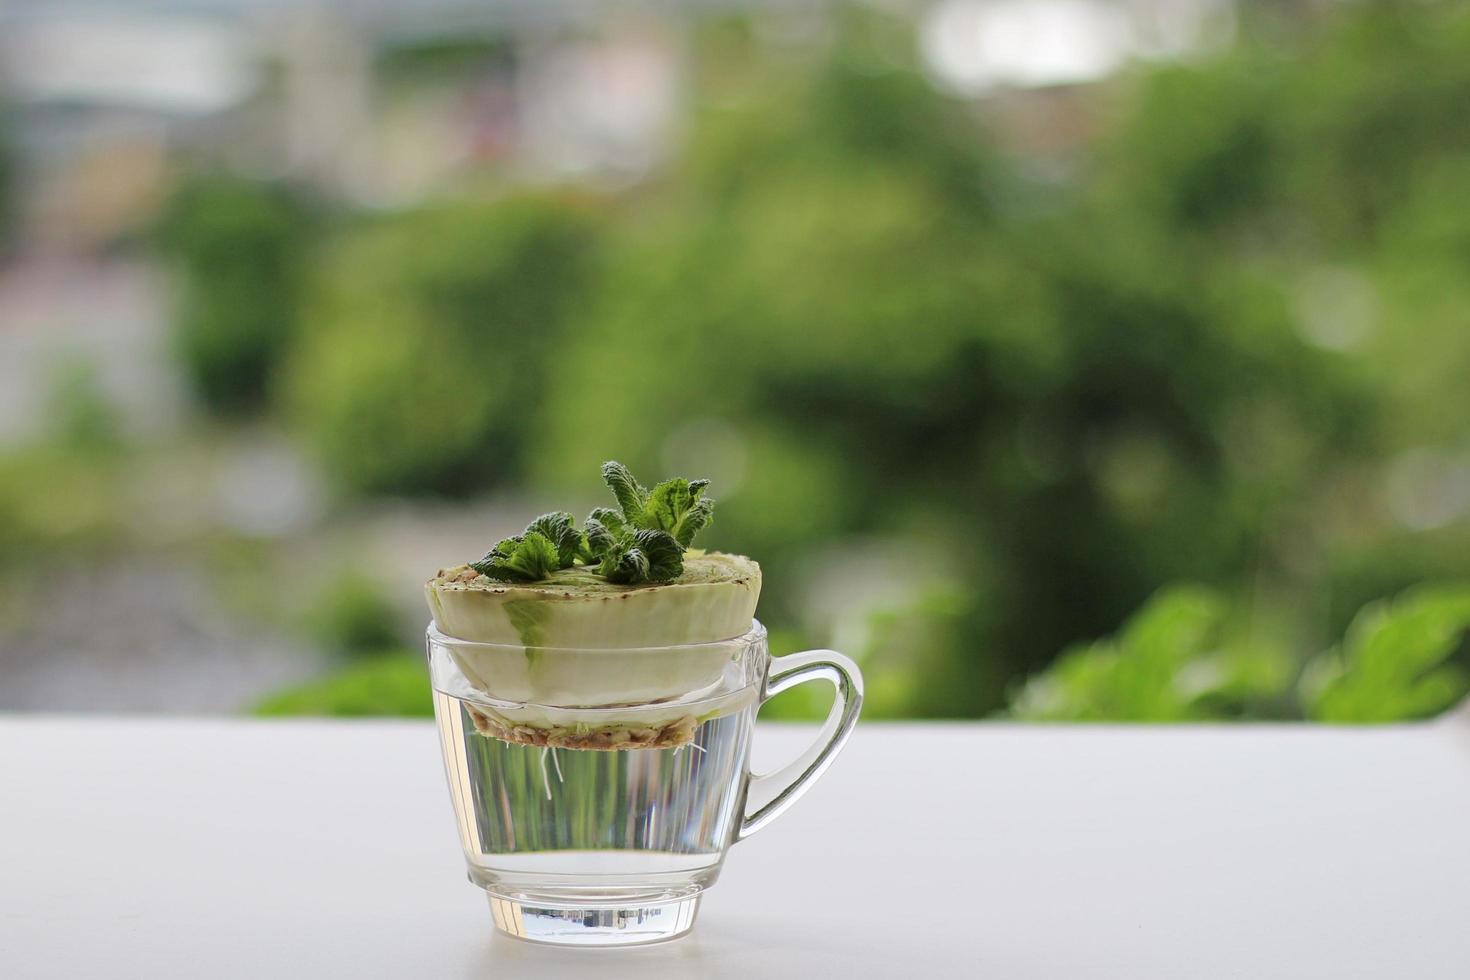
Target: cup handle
778	790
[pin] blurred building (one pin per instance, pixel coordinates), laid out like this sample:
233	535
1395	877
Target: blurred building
373	104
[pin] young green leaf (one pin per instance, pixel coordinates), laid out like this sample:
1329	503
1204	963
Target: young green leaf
698	517
523	558
624	564
632	497
665	555
603	527
608	518
600	538
558	528
500	552
645	556
679	507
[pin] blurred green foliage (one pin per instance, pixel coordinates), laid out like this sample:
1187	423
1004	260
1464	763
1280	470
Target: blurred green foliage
1221	340
79	414
388	684
351	616
240	249
56	500
432	339
1407	659
1169	662
910	667
1096	409
1175	661
436	59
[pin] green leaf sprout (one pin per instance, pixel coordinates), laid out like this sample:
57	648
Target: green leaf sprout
603	527
677	507
525	557
632	497
643	556
642	541
560	529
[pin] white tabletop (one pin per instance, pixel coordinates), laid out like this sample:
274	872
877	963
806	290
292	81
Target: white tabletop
155	848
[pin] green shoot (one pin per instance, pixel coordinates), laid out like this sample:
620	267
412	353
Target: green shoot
643	556
641	541
560	529
678	506
632	497
525	557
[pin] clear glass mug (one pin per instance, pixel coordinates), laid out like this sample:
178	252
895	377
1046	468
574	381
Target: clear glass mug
601	825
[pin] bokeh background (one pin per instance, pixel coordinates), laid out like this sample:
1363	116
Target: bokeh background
1058	359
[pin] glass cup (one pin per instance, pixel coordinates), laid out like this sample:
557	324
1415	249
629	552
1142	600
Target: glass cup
601	824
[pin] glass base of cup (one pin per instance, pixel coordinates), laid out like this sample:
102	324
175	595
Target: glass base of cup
633	926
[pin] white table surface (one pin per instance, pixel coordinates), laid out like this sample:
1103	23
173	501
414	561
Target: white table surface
216	849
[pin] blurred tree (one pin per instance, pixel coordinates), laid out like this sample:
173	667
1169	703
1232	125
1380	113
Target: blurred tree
352	616
1364	231
433	342
240	248
1224	344
1374	102
412	61
79	414
913	665
1092	408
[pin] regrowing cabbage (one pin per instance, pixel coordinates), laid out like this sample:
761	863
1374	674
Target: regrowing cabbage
617	611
